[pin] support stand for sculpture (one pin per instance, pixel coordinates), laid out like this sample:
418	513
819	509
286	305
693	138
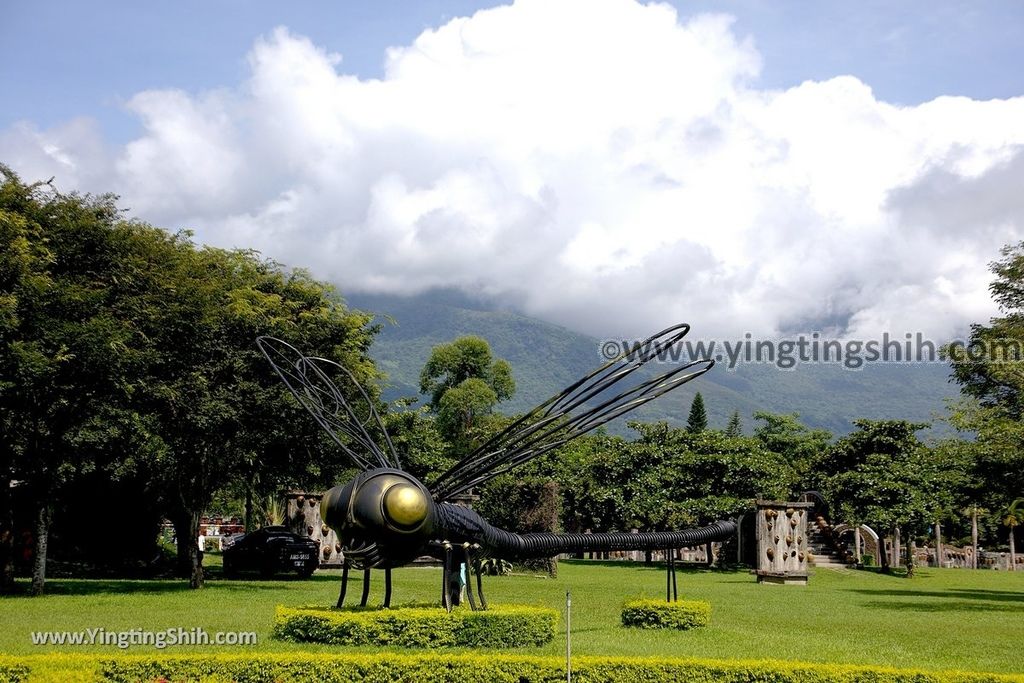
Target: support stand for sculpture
469	575
480	584
671	589
344	583
366	587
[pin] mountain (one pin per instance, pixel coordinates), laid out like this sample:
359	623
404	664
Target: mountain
546	358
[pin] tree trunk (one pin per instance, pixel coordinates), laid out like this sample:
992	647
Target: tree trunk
182	533
856	546
195	558
248	510
911	549
42	537
897	548
7	536
974	537
190	560
938	544
1013	553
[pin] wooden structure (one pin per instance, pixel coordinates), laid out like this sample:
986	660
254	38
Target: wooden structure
781	533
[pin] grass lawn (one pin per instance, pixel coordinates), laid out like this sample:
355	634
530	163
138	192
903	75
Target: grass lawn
942	619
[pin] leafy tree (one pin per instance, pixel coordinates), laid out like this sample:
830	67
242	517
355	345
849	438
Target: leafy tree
591	474
990	371
993	457
801	446
465	382
735	427
420	445
990	367
70	356
698	418
882	475
224	414
684	478
665	479
24	263
128	352
524	504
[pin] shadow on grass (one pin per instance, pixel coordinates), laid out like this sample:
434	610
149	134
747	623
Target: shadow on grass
150	586
961	594
945	606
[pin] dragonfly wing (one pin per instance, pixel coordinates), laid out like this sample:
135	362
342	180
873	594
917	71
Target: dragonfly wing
347	421
600	396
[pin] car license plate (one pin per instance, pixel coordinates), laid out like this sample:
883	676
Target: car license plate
298	563
298	557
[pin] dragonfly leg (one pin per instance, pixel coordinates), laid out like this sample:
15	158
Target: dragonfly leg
446	570
467	558
366	587
344	583
480	584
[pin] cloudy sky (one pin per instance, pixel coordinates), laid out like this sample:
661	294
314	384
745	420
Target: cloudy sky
747	166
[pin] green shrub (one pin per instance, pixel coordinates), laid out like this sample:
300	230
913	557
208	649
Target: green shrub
502	626
682	615
464	668
12	671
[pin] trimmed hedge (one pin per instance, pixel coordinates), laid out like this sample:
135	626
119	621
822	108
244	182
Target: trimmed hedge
502	626
682	615
461	668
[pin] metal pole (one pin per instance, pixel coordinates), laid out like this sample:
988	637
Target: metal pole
568	637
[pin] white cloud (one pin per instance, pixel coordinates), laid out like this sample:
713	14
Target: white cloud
600	162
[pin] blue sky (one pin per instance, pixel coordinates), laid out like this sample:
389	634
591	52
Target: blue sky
64	59
612	166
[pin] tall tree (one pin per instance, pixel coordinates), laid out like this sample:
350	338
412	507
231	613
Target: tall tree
464	382
224	414
989	367
990	371
69	357
128	349
735	427
697	421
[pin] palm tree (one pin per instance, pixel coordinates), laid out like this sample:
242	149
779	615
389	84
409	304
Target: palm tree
1014	516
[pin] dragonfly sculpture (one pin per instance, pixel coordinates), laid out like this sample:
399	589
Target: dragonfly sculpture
386	518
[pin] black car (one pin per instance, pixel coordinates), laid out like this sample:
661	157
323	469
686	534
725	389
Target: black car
270	550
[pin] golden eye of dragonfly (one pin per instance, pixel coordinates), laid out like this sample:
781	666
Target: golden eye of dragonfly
405	506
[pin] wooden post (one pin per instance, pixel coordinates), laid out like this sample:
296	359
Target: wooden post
938	543
856	544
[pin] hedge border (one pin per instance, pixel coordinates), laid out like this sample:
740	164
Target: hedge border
502	626
682	615
465	668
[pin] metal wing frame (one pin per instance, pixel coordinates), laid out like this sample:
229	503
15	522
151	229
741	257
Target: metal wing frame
309	381
578	409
